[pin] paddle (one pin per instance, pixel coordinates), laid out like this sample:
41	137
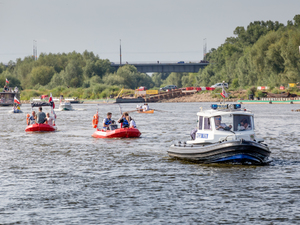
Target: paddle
158	110
131	111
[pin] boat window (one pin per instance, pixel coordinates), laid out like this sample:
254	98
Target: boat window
200	121
207	123
224	122
242	123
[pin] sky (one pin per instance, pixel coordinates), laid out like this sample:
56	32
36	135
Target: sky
149	30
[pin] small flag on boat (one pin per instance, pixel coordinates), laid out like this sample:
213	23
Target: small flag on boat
224	93
52	110
16	101
7	81
51	100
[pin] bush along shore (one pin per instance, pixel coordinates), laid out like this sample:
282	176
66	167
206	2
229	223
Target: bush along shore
91	96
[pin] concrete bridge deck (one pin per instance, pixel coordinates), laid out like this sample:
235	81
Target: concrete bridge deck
179	67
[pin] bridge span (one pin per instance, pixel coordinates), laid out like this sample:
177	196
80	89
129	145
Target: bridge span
179	67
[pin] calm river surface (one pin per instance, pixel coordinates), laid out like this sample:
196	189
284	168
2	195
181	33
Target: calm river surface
68	177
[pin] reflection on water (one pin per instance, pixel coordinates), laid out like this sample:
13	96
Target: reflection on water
69	177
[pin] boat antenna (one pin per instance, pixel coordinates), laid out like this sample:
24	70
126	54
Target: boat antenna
120	109
224	91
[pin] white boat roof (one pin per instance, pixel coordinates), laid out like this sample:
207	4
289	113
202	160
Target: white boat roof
224	111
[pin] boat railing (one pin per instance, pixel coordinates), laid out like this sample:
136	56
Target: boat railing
280	99
46	99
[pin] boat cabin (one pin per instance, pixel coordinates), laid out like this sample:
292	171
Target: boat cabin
7	98
223	122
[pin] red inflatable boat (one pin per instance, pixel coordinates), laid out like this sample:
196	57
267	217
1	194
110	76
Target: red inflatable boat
40	128
117	133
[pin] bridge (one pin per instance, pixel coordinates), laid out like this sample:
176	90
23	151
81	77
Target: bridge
179	67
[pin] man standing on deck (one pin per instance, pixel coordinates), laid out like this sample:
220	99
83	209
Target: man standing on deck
40	116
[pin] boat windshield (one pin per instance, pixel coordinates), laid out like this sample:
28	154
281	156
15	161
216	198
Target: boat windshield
242	123
224	122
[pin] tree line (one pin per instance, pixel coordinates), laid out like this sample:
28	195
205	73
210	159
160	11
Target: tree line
264	53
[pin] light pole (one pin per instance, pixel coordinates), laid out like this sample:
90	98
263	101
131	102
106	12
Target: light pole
204	48
120	54
35	50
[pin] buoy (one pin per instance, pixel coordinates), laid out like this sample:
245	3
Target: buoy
27	118
95	120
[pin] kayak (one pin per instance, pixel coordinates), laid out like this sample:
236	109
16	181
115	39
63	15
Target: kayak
117	133
40	128
148	111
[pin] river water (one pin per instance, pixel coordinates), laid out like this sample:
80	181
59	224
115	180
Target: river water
68	177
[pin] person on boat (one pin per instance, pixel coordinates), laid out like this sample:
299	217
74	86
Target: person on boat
139	107
107	121
145	107
5	89
125	120
32	118
50	119
244	125
220	125
41	116
132	123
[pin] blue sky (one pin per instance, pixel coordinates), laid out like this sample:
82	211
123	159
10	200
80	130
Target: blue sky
150	30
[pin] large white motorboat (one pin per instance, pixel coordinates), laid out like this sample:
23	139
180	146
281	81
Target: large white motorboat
225	133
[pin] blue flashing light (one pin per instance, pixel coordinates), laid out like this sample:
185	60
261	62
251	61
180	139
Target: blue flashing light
237	106
214	106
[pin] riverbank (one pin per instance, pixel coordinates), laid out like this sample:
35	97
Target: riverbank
207	97
197	97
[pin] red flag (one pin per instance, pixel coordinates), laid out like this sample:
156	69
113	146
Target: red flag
224	93
52	110
16	101
7	81
51	100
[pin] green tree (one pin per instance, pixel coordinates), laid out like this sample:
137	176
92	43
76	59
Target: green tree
42	75
174	79
73	75
13	81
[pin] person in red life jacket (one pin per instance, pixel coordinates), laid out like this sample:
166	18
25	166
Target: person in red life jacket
125	120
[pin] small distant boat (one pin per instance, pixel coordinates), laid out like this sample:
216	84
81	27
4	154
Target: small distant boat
16	111
148	111
65	106
73	100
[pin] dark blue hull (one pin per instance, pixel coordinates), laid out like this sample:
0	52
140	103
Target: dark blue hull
241	151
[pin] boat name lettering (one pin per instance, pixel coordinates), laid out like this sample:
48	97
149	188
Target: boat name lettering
202	136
